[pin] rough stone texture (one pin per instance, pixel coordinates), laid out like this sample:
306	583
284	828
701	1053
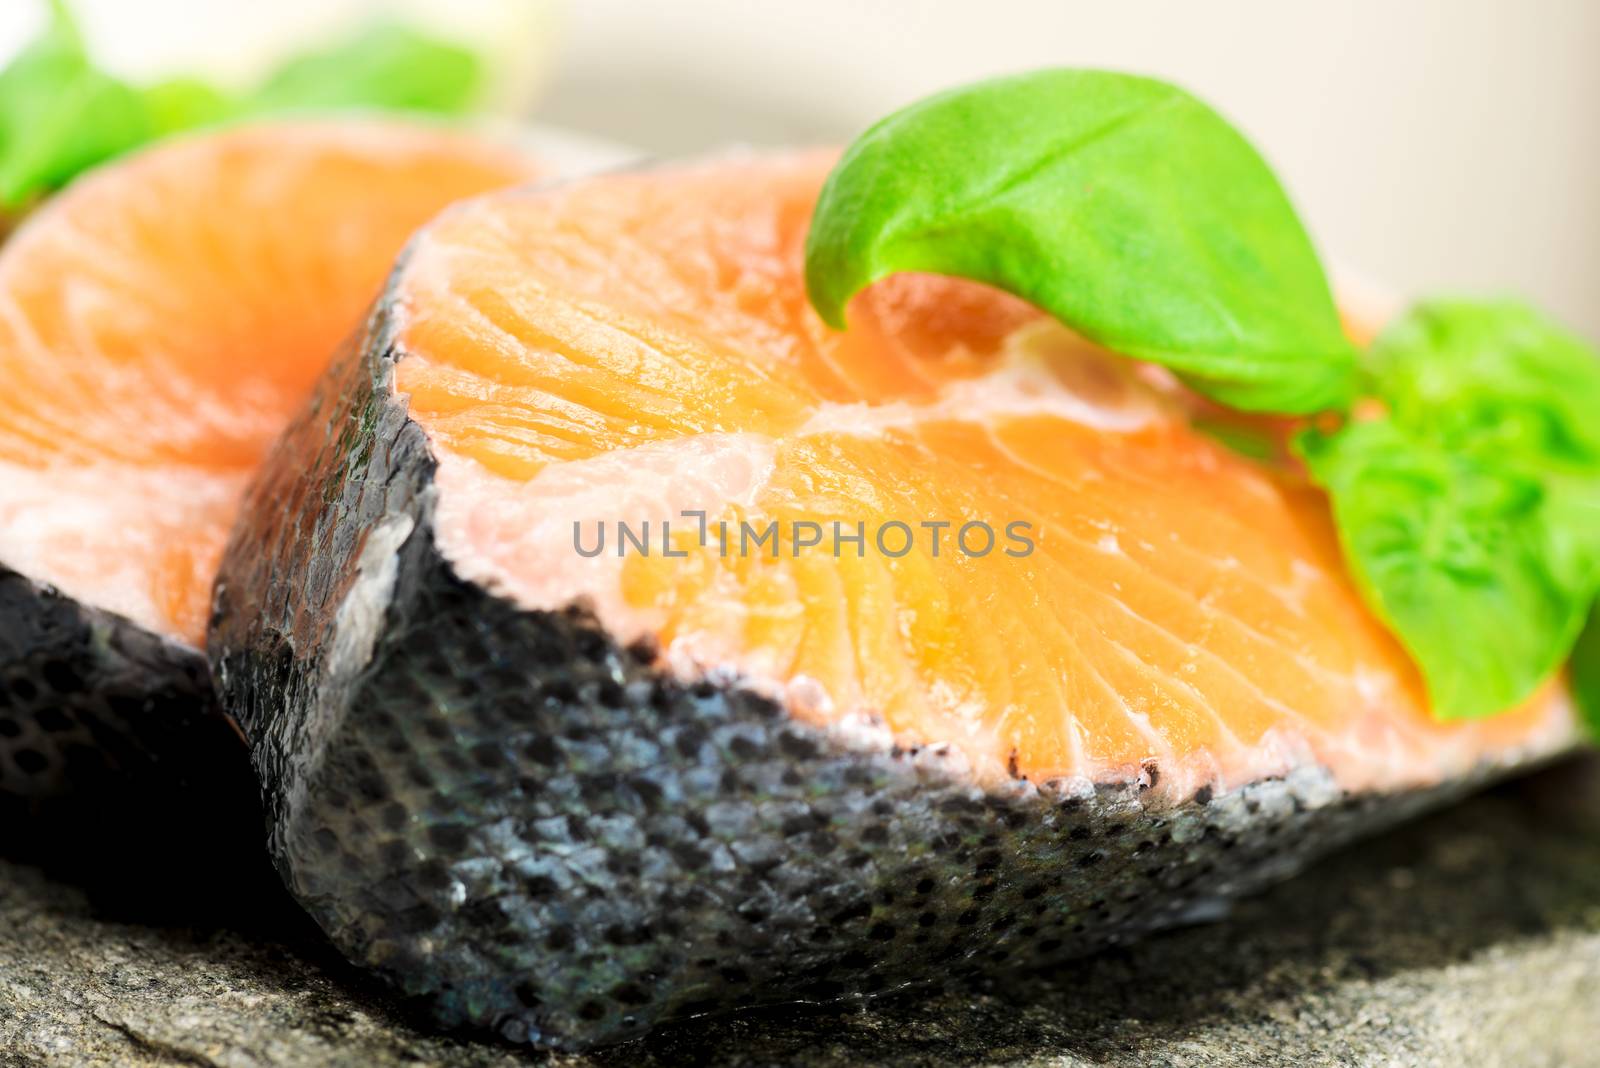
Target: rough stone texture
1471	937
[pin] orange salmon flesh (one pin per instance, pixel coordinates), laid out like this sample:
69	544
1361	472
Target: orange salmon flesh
162	319
639	346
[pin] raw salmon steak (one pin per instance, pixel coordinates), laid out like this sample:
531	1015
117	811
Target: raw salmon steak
568	793
160	321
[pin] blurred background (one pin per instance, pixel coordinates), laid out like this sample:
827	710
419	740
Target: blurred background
1433	145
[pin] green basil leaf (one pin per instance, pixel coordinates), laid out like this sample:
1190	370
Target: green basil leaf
1121	205
1470	511
389	66
1484	573
59	115
1494	379
184	103
1586	673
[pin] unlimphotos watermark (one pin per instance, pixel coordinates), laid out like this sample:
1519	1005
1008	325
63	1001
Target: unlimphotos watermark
894	538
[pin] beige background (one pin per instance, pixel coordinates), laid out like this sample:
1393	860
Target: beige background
1432	144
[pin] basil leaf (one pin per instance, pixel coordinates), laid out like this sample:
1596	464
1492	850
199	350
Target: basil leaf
1586	673
389	66
59	115
1494	379
1470	512
1123	206
184	103
1483	572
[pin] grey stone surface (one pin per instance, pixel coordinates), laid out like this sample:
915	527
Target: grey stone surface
1472	937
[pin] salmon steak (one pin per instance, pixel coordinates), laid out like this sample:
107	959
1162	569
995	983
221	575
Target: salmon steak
618	643
160	321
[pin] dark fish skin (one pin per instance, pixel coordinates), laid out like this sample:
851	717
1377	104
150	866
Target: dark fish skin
541	833
94	706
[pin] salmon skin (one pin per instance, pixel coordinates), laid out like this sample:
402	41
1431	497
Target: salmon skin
92	704
159	323
568	802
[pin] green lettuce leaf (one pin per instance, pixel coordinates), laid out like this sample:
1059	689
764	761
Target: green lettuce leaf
389	66
1470	510
1495	379
1478	569
1123	206
59	115
184	103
